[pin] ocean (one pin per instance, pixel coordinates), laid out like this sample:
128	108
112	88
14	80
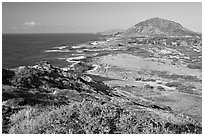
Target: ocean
27	49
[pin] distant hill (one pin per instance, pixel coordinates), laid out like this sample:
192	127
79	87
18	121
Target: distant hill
111	32
158	27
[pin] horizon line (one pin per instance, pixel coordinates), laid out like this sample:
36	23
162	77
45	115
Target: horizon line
54	33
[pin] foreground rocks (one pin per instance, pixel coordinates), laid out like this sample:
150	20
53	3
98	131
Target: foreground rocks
41	86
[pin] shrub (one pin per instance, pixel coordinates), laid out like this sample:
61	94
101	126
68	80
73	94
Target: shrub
7	76
147	86
86	118
187	89
195	65
173	84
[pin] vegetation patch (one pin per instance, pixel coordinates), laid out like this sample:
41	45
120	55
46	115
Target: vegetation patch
173	84
91	118
47	100
187	89
195	65
164	74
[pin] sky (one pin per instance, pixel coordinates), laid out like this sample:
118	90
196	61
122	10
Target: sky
90	17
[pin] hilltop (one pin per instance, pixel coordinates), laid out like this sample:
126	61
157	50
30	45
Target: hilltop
158	27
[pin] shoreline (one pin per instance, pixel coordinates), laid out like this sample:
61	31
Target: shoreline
137	78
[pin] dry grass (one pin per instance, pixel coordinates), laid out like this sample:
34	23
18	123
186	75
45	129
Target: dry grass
90	118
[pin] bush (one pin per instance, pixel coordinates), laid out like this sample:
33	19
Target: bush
85	118
7	76
195	65
173	84
187	89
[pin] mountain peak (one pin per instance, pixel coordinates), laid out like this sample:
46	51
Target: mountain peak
158	27
156	19
160	21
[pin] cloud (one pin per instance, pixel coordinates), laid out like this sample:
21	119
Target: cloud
31	24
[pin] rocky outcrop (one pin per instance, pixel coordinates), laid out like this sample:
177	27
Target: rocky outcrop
45	84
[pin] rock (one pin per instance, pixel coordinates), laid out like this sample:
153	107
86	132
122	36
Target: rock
147	86
45	78
160	88
86	79
26	77
7	76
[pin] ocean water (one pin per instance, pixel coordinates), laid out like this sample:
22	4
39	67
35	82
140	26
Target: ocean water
27	49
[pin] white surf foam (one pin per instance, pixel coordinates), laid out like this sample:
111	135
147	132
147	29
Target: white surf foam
75	58
94	69
78	46
57	51
94	43
75	54
79	51
62	58
60	47
94	49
